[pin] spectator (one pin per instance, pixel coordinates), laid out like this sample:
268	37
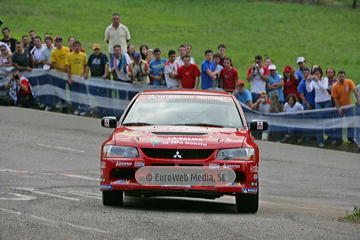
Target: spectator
322	97
357	131
25	41
130	51
268	62
291	83
32	35
75	64
98	64
143	50
330	72
117	34
208	70
263	105
216	82
21	58
188	74
119	65
58	56
71	41
156	67
292	105
20	89
170	70
150	57
221	51
341	95
139	70
243	95
308	98
228	76
11	42
46	61
182	52
188	49
302	64
258	76
46	53
5	56
36	53
274	88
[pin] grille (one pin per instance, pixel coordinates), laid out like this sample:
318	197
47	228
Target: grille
172	153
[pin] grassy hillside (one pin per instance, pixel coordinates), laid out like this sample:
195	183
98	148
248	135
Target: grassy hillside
324	35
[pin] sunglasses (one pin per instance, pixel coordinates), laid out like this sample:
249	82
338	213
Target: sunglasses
3	50
262	92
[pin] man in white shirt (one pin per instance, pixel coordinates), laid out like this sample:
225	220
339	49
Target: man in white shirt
170	71
36	53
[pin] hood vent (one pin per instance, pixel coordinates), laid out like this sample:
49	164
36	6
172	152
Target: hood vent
180	133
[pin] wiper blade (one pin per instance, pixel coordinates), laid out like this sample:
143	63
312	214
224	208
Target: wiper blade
202	124
136	124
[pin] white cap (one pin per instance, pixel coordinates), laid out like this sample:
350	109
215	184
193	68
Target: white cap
300	59
272	67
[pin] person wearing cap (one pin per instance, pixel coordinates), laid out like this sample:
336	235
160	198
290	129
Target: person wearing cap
76	62
20	89
274	89
258	76
170	71
301	62
139	70
291	82
98	65
228	76
117	34
243	95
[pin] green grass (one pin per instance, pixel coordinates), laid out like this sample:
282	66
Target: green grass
355	216
324	35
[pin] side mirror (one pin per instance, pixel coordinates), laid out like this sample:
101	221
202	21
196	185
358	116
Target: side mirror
109	122
259	125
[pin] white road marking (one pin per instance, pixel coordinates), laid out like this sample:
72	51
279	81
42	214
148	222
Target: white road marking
10	211
78	194
56	174
49	194
54	221
61	148
19	197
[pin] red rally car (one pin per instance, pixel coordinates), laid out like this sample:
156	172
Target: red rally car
168	143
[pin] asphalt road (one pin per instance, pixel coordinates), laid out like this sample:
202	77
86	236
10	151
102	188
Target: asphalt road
49	189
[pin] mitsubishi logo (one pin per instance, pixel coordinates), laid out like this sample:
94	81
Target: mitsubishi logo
177	155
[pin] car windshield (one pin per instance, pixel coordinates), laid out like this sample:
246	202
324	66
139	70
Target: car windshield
188	110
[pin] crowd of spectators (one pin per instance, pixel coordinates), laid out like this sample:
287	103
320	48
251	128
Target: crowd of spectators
271	89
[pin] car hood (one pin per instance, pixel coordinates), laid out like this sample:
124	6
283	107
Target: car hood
179	137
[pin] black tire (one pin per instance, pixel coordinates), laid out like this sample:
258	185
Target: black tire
247	203
112	198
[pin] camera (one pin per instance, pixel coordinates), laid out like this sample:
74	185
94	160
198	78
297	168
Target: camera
138	77
257	66
1	22
16	77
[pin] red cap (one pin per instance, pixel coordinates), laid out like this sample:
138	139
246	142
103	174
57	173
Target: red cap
240	82
287	69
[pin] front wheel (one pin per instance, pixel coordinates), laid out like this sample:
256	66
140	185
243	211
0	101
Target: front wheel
247	203
112	198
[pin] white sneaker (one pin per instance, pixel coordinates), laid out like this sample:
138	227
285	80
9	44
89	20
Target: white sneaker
83	113
76	112
48	108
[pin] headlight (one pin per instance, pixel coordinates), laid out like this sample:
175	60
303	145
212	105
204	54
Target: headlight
120	151
236	154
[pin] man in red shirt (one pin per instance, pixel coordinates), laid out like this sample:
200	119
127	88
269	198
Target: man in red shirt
188	75
228	76
20	89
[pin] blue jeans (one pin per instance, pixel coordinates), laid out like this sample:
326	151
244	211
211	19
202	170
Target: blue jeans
357	130
321	105
255	96
350	130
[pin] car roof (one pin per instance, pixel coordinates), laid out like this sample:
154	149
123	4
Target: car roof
185	92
